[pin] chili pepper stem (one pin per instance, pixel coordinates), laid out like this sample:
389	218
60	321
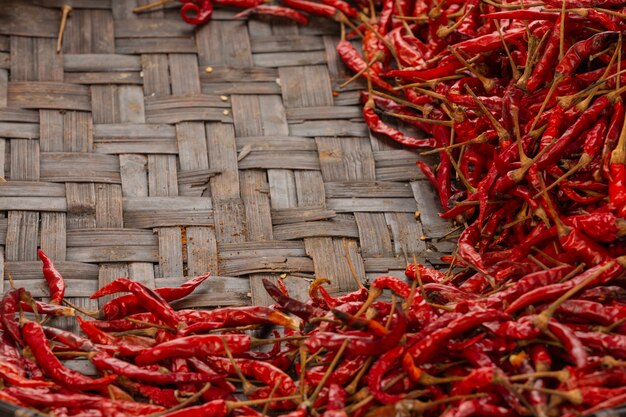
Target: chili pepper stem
247	386
352	387
399	101
421	406
151	6
514	70
67	9
420	119
562	375
613	326
488	83
482	138
585	159
573	396
351	267
541	320
444	31
89	313
185	403
502	132
470	188
553	87
365	20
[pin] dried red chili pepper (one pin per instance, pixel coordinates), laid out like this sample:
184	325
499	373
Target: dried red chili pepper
129	304
104	362
376	125
355	62
55	280
36	340
198	345
8	308
151	300
278	11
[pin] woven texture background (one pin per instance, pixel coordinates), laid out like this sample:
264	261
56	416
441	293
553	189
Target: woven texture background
125	157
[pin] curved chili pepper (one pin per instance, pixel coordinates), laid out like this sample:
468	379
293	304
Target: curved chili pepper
196	12
104	362
426	348
215	408
581	50
239	316
36	340
262	371
129	304
426	274
376	125
360	345
377	372
548	59
278	11
150	299
198	345
300	309
311	7
8	307
343	7
123	345
55	280
553	291
38	398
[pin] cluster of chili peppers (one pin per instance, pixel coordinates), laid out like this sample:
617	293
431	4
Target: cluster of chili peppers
523	103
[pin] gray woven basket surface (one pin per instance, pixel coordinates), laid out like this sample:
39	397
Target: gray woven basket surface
126	156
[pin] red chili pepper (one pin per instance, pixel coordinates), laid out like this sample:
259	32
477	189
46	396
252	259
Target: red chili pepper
239	316
573	345
130	304
37	398
104	362
69	339
477	407
355	62
244	4
378	371
262	371
376	125
554	291
8	307
522	15
300	309
548	59
215	408
310	7
11	374
584	122
581	50
36	340
151	300
55	281
425	349
343	7
360	345
196	12
190	346
426	274
278	11
123	345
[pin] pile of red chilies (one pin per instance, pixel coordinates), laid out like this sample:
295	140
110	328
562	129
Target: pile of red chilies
523	104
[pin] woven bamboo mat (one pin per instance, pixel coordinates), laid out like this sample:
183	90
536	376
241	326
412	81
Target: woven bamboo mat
126	156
